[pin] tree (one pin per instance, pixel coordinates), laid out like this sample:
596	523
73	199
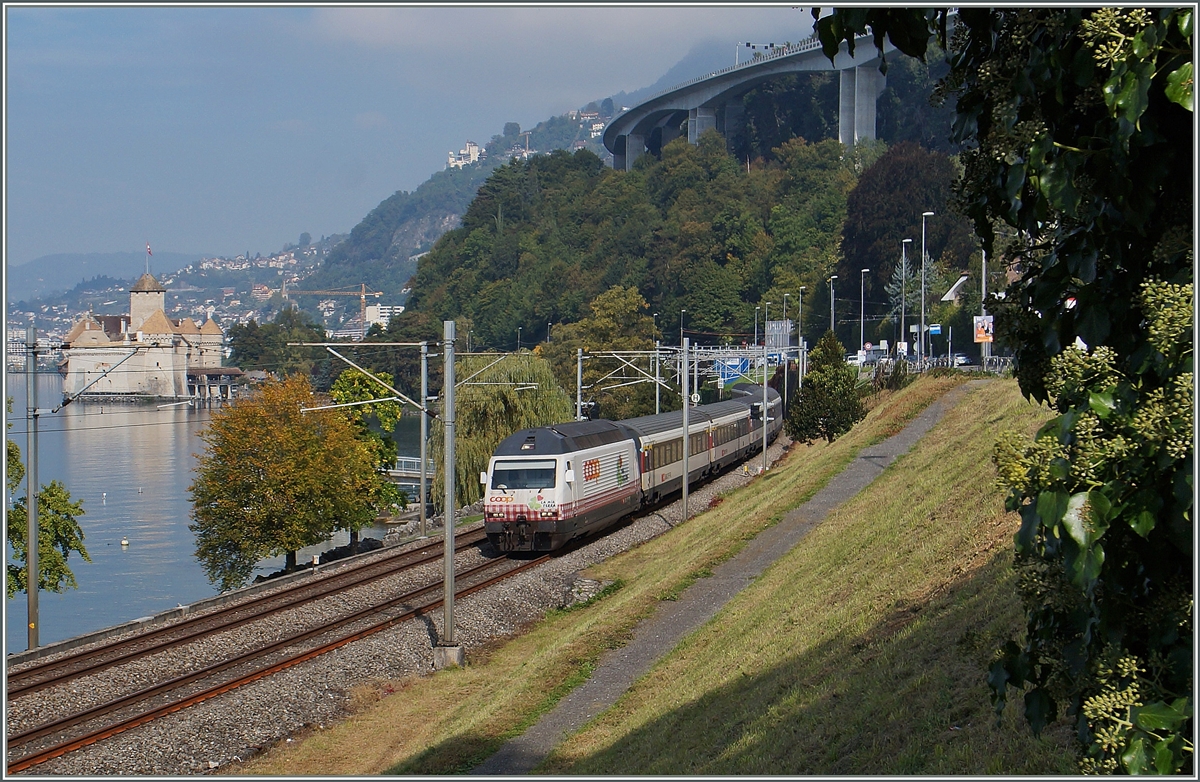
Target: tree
274	479
1079	129
375	423
494	397
828	403
885	207
59	533
511	129
618	321
305	239
266	347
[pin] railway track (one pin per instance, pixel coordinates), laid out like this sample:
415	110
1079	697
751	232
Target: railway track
83	663
57	737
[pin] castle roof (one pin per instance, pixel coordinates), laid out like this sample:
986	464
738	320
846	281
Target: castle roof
147	284
187	326
87	323
157	323
210	327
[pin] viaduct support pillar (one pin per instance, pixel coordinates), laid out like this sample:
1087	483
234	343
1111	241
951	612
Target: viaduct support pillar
859	92
699	120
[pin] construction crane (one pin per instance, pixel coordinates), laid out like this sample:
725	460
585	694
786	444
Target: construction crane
362	295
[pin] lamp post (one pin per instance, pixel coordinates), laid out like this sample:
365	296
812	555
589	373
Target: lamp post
904	289
921	355
547	333
681	314
831	279
787	343
655	316
862	308
756	309
518	339
765	417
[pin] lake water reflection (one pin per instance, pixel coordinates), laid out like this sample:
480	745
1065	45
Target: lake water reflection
131	465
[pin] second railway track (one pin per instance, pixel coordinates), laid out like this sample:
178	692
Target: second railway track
56	737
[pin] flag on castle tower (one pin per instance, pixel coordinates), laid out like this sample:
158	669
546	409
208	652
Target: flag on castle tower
148	249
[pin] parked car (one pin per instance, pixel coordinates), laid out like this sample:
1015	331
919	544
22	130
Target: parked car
963	360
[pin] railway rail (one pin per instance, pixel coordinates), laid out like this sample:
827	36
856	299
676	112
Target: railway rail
90	661
73	731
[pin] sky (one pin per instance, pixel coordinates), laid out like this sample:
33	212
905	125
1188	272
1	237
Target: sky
218	130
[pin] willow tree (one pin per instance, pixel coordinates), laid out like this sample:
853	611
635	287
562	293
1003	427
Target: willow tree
274	478
498	394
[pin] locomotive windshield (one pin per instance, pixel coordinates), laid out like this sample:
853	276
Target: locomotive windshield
524	474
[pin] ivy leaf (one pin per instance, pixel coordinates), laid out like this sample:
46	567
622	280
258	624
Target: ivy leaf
1135	759
1087	565
1184	19
1160	715
1143	523
1179	86
1051	505
1102	404
1074	519
1164	758
1039	709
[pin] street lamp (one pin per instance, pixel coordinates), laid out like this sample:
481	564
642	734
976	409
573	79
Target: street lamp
831	279
756	309
921	355
518	339
787	343
800	317
681	314
862	308
655	316
904	289
547	333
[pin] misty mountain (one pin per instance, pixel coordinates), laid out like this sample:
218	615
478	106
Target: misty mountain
62	271
704	57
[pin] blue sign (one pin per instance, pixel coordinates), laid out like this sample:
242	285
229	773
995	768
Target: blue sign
935	328
730	369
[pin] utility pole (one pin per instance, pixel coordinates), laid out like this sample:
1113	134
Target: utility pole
686	438
448	652
766	316
424	432
578	384
657	379
904	290
32	576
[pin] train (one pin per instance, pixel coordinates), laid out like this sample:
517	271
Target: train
547	485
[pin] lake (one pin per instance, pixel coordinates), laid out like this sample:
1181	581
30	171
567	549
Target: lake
130	464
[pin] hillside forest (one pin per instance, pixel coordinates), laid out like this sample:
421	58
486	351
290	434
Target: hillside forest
710	243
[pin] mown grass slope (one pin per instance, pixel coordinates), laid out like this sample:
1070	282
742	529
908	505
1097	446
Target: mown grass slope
863	650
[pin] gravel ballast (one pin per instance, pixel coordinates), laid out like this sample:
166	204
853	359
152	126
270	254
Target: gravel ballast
235	726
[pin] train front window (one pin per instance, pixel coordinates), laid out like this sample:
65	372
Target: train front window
524	474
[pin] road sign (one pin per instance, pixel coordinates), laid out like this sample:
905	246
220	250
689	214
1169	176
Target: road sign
695	399
935	328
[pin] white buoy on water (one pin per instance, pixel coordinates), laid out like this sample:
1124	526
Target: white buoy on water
124	541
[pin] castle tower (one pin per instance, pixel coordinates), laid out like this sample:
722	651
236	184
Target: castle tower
146	297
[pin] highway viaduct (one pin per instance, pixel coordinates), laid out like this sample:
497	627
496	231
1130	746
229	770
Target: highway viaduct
715	99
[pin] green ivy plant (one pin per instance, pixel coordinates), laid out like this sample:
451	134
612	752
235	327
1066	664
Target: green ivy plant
1077	134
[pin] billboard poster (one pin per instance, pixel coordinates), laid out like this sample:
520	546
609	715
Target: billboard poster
983	328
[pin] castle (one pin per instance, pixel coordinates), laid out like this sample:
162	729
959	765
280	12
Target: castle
145	353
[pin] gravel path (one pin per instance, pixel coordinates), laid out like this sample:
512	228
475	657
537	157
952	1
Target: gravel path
234	726
661	632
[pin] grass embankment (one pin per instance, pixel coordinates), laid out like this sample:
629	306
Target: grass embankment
861	651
